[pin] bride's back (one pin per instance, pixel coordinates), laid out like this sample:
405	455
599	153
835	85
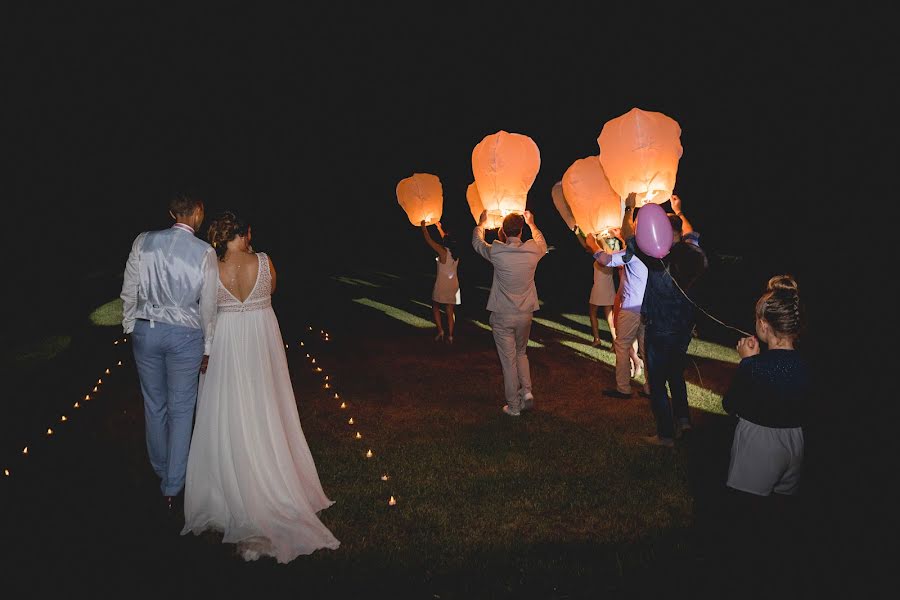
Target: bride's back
239	272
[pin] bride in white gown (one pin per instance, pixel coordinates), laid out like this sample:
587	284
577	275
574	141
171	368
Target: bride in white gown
250	474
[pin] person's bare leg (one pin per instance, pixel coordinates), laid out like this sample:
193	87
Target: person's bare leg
637	365
451	321
436	313
611	320
595	328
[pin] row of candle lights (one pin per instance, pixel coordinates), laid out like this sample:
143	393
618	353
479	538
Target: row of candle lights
7	472
327	384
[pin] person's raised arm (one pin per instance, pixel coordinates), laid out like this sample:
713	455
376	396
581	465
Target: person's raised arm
579	235
536	234
441	251
481	247
628	218
686	228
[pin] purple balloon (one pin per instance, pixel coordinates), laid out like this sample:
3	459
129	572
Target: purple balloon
654	232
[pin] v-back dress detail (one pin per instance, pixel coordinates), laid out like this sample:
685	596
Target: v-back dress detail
250	473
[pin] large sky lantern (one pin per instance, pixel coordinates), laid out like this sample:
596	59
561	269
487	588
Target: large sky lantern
562	205
639	152
595	205
422	197
505	166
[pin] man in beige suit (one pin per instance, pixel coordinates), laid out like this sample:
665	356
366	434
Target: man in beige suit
512	301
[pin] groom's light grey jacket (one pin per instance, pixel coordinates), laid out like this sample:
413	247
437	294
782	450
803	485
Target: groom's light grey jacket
513	289
171	276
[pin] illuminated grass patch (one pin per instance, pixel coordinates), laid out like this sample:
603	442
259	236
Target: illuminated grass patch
108	315
586	320
699	348
355	281
42	350
396	313
698	397
564	329
486	327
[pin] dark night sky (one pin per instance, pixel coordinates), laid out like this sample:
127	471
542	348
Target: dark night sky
305	121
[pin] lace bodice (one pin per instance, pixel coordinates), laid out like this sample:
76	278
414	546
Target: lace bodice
260	297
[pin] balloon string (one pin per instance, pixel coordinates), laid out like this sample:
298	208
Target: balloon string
666	267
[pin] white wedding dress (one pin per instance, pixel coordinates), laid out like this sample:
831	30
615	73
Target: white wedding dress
250	474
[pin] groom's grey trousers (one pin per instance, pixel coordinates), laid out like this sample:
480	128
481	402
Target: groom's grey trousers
168	361
511	331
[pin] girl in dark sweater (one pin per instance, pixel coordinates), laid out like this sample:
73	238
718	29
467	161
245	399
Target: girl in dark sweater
768	395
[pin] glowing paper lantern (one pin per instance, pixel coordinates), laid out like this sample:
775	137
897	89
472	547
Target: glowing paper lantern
595	205
505	165
562	206
422	197
639	152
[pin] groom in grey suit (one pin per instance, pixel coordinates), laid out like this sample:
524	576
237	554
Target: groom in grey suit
512	301
169	308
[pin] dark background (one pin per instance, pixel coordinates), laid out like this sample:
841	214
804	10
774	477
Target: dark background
304	120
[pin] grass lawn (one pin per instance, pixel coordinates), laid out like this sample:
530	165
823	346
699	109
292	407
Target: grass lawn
562	502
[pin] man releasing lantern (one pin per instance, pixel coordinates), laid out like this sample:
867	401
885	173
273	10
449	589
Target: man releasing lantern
422	197
505	166
639	152
595	205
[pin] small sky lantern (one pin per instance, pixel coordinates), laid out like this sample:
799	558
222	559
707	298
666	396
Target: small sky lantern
350	422
6	472
76	405
562	205
343	405
63	419
422	197
301	343
107	371
392	502
385	477
95	389
336	396
49	431
476	207
99	381
639	152
369	453
358	435
25	450
595	205
119	364
505	166
87	397
327	385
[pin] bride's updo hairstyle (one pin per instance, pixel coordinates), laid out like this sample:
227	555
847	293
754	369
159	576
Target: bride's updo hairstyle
223	229
780	306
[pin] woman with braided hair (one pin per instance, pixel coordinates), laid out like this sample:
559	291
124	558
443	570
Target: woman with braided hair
250	473
768	395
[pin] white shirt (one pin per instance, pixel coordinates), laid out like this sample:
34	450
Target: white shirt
171	276
513	289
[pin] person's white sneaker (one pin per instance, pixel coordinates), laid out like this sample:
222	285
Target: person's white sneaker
528	401
510	412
